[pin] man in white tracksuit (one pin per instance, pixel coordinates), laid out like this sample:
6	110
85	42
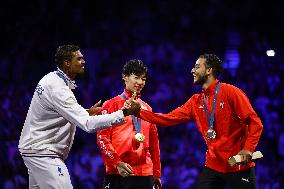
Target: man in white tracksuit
53	115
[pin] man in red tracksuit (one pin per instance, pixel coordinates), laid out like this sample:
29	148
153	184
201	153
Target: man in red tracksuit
227	122
131	151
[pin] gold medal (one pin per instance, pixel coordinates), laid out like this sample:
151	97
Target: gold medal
139	137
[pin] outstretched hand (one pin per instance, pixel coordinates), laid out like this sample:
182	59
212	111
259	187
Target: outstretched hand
95	109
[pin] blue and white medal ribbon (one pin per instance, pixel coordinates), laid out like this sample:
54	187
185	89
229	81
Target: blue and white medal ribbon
139	137
211	134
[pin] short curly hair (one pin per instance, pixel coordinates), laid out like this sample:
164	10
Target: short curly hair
64	53
214	62
136	67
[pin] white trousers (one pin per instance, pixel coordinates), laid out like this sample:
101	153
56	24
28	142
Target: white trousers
47	173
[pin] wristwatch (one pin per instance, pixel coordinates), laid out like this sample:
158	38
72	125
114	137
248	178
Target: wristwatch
124	110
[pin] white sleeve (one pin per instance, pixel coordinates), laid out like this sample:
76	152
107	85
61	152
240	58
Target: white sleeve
66	105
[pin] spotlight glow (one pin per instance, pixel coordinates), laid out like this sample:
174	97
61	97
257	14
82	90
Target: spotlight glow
270	52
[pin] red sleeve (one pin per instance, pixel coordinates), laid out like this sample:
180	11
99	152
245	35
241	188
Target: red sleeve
155	151
109	154
179	115
247	114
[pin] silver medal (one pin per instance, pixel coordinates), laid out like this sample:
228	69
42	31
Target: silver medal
211	134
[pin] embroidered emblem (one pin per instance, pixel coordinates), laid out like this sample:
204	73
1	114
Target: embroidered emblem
222	104
107	186
59	171
39	89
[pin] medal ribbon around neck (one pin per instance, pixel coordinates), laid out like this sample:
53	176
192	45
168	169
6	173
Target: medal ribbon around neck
211	119
137	124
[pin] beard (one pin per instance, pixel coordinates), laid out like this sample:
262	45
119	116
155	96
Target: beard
200	80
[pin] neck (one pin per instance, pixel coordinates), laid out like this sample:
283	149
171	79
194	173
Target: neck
67	72
208	82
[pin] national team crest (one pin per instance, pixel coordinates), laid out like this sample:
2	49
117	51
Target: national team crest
222	104
60	171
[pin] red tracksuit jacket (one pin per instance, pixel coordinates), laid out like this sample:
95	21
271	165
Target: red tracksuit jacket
118	144
236	124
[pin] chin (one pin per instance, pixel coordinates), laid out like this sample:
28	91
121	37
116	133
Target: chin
198	82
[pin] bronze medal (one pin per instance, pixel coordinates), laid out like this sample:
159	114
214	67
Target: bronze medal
211	134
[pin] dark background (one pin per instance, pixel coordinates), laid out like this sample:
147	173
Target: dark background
168	36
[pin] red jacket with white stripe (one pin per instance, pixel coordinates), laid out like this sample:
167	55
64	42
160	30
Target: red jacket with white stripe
117	143
236	124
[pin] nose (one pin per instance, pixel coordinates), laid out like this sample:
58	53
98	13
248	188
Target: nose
140	81
192	70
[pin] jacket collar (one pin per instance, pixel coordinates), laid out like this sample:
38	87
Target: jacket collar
70	83
211	88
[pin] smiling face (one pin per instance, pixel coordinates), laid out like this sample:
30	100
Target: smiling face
134	74
76	65
200	72
134	83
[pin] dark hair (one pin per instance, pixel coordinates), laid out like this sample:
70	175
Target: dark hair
64	53
212	61
136	67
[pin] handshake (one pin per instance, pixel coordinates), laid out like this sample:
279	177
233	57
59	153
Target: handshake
131	106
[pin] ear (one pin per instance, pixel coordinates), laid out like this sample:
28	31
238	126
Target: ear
66	63
209	71
123	77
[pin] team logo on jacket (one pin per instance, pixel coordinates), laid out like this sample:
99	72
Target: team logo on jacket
59	171
107	186
39	90
222	104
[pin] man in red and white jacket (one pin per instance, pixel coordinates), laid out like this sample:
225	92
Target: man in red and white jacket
131	151
227	122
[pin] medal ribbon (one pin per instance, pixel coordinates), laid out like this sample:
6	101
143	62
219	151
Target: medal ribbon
211	119
137	124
